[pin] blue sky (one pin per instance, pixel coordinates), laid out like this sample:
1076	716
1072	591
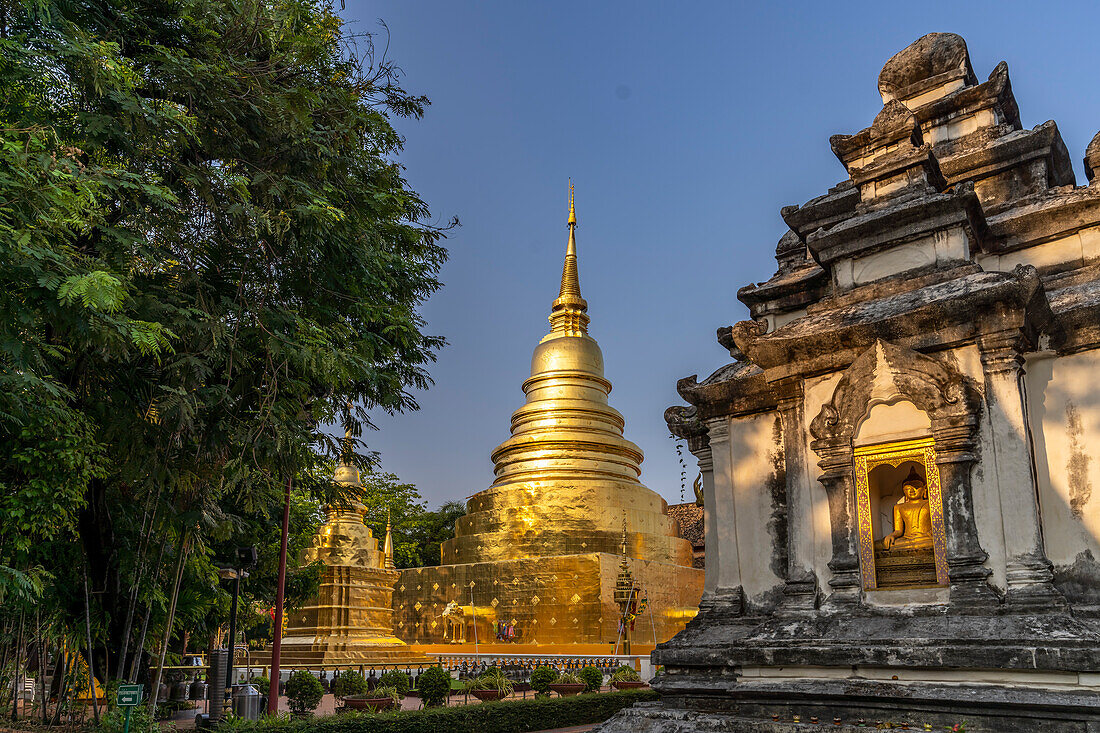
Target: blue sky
685	128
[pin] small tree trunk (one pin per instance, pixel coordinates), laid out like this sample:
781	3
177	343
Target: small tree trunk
168	625
15	671
63	660
91	649
148	613
139	573
45	698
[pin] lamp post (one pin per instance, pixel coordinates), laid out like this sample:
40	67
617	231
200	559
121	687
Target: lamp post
246	557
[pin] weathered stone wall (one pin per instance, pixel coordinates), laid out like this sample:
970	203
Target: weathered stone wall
1064	412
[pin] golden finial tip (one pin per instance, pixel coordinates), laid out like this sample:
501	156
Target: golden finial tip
572	210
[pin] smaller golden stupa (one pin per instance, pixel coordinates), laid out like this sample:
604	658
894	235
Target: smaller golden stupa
351	619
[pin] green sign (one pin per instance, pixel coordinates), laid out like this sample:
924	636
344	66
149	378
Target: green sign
129	695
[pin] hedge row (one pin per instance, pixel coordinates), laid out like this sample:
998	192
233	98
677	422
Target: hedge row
507	716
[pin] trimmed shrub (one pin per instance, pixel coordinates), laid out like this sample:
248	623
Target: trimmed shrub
592	679
348	682
303	692
542	678
507	716
396	678
434	685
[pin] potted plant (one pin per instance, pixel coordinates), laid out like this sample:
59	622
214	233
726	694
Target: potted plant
541	679
380	698
396	678
568	684
625	678
303	693
492	685
434	685
592	678
347	683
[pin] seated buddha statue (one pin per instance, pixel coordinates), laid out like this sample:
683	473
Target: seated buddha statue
912	517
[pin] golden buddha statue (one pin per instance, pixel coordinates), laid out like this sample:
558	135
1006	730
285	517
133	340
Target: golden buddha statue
912	517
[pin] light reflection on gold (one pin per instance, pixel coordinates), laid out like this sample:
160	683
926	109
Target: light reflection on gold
550	524
351	619
867	458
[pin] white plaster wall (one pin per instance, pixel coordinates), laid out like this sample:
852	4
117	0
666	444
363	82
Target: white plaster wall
1076	249
1064	414
949	245
983	482
754	454
817	391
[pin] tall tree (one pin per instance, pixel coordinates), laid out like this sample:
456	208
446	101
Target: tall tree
207	250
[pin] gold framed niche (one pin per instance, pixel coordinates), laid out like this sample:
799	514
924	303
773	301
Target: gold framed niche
889	457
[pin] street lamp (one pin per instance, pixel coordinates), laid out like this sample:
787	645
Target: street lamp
246	557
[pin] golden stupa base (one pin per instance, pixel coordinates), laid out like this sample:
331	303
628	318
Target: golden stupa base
496	649
558	601
330	653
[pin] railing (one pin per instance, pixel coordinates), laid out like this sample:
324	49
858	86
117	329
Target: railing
517	667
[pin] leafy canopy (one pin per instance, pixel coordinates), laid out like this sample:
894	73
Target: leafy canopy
207	252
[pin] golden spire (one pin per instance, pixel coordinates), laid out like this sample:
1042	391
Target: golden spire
387	546
570	311
346	470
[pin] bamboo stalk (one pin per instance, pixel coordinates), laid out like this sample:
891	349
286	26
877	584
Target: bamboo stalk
148	613
15	669
63	659
139	573
41	662
91	649
154	692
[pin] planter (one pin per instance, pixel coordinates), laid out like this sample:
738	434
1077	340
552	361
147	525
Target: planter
628	684
487	695
366	702
567	690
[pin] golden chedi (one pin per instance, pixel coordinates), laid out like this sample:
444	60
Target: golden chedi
351	619
537	553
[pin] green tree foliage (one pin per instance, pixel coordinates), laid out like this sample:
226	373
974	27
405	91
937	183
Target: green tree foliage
417	531
207	253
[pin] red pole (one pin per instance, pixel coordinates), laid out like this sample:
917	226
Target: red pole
277	644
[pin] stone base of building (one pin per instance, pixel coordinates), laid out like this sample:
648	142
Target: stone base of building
557	600
998	672
861	705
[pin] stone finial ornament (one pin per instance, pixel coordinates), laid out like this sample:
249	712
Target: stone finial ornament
1092	161
932	61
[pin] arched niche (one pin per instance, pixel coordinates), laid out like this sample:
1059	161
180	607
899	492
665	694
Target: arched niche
890	402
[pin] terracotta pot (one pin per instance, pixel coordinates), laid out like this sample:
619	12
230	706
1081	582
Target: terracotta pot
566	690
486	695
366	702
628	684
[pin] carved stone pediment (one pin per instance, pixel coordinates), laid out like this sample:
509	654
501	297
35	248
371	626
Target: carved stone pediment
886	373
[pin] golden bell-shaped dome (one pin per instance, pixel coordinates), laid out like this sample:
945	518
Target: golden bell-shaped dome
566	477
